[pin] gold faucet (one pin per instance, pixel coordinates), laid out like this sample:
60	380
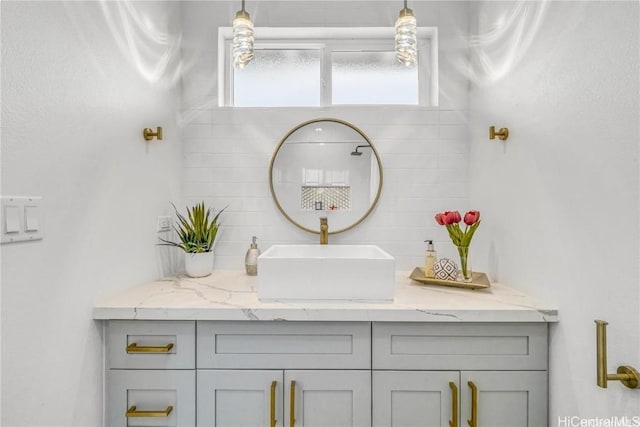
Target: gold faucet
324	231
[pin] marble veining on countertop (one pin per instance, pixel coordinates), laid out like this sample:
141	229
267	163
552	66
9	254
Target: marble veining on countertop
231	295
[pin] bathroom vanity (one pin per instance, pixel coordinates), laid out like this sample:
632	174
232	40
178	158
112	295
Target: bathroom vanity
207	352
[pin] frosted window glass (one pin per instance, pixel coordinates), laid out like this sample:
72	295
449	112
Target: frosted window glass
279	77
372	78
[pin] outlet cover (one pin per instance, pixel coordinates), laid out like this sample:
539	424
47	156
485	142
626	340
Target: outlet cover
164	224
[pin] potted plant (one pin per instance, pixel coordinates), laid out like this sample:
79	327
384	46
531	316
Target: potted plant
197	232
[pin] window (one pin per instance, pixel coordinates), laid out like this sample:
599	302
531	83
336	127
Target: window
328	66
286	77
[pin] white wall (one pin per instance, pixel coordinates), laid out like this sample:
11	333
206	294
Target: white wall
424	151
559	199
74	103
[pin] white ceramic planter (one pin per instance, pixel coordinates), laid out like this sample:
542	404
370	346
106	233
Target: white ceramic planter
198	265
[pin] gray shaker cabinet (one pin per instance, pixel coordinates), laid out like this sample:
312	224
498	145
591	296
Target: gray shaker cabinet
261	373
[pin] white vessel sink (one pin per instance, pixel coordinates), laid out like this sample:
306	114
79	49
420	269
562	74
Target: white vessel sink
326	272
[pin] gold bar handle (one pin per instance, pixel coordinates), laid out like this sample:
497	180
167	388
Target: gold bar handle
133	348
628	375
272	410
473	422
454	404
132	412
601	350
292	405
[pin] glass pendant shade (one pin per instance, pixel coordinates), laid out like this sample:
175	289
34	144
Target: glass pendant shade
406	38
242	39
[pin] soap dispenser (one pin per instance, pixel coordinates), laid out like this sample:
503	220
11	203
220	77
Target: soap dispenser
251	259
429	260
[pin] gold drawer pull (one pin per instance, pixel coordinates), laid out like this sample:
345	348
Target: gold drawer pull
473	422
133	413
133	348
454	404
272	409
292	405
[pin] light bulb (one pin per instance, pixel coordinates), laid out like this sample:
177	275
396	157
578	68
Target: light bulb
406	38
242	39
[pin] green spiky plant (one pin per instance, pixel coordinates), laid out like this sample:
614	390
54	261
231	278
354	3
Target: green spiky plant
197	231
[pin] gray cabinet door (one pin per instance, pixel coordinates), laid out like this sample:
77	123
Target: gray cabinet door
327	398
505	398
415	398
229	398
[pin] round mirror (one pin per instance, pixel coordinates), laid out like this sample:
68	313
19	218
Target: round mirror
325	168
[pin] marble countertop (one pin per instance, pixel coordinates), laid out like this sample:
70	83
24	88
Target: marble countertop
231	295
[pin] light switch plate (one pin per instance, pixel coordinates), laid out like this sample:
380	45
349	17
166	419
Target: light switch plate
21	218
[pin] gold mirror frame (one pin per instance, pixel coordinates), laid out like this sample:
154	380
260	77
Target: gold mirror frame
275	154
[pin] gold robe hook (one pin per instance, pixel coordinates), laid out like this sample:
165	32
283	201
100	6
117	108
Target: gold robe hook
148	134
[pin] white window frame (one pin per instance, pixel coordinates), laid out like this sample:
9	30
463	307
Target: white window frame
328	40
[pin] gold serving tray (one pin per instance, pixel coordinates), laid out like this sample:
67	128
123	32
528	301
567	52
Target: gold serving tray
478	280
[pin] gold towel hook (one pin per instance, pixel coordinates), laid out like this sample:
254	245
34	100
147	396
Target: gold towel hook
628	375
502	134
149	134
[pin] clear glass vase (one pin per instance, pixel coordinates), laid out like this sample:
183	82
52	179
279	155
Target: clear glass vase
465	265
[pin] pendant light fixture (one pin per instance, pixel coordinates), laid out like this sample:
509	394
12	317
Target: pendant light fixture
406	38
242	39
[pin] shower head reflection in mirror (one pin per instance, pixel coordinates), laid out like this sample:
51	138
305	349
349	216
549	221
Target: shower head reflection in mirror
359	153
311	165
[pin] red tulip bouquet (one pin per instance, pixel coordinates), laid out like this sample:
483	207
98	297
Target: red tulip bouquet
460	238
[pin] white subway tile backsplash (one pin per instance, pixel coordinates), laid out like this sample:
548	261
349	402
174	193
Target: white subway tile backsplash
401	132
236	203
455	164
205	145
400	178
402	115
246	189
428	146
453	132
248	218
410	161
197	130
421	177
194	189
198	175
222	160
454	147
451	190
453	117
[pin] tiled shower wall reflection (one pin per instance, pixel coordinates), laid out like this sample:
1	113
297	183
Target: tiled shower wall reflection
424	151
